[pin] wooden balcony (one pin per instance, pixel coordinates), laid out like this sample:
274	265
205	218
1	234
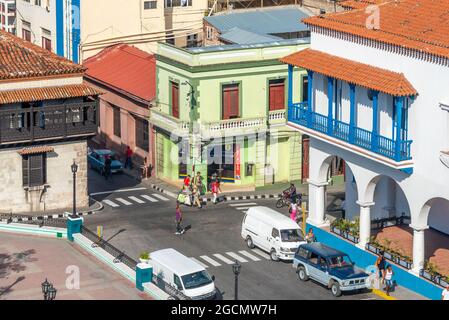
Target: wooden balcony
48	123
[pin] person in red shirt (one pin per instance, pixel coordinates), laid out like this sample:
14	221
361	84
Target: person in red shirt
215	190
129	154
187	181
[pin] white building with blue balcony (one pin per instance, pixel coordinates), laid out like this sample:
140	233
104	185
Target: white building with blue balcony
377	98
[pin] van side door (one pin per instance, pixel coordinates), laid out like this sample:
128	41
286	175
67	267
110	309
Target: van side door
312	265
322	271
275	239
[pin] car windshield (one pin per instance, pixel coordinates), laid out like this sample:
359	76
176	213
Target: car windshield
292	235
340	262
196	279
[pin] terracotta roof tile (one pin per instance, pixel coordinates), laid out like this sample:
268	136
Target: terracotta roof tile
35	150
415	24
125	68
353	72
47	93
22	59
359	4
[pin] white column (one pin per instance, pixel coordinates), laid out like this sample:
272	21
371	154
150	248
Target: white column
365	223
317	203
418	248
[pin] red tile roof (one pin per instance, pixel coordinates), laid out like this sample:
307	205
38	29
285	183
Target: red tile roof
35	150
414	24
125	68
47	93
353	72
22	59
359	4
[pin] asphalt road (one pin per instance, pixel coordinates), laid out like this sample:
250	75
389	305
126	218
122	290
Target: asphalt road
140	219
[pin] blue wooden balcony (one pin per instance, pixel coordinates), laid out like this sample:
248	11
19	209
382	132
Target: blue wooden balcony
299	114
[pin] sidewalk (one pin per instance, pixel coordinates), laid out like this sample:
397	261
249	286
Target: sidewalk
399	293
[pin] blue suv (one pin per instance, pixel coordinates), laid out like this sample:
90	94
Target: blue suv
329	267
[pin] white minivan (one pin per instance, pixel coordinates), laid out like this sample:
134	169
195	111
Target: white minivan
183	273
272	232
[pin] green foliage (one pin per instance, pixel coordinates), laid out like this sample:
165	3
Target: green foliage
145	255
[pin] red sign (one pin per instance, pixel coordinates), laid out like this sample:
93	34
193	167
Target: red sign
237	162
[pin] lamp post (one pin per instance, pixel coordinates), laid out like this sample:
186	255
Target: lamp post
48	290
74	168
236	268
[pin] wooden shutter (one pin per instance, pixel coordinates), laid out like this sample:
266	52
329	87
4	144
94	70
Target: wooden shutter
37	169
230	96
174	100
277	96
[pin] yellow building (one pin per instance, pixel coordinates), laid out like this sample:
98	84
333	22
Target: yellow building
140	23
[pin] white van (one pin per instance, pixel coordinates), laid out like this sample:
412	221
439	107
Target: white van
272	232
183	273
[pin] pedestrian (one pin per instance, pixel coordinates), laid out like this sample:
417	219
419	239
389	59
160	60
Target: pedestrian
187	181
198	181
128	161
196	197
293	211
292	191
388	280
145	168
179	228
380	264
215	190
107	167
310	237
445	293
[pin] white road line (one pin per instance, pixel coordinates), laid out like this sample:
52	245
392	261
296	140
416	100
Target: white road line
110	203
160	197
136	199
223	258
149	198
261	253
199	262
249	255
243	204
243	208
236	257
211	261
127	203
119	190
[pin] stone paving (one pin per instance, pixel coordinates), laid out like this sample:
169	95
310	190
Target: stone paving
25	262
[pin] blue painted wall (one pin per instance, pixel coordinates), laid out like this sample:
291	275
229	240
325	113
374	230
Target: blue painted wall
364	259
60	27
76	24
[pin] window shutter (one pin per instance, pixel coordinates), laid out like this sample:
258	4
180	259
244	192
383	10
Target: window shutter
175	100
25	171
277	96
230	96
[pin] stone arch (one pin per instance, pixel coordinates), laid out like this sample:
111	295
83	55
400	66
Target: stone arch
425	212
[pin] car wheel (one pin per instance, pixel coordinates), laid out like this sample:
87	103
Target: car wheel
273	255
335	289
249	242
302	274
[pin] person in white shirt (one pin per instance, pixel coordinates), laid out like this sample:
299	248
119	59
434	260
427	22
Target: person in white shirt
445	293
388	280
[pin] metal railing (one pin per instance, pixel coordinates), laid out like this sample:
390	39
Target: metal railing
27	219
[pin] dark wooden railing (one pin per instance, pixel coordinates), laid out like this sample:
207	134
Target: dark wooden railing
50	122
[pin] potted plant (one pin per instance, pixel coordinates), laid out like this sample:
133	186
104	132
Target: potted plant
144	257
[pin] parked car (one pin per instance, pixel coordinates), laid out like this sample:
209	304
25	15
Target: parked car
272	232
329	267
181	272
96	159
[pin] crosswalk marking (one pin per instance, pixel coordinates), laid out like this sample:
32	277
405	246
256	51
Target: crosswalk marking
149	198
261	253
236	257
249	255
136	199
211	261
160	197
223	258
127	203
110	203
199	262
243	208
242	204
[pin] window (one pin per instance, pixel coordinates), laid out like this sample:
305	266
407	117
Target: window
276	94
305	88
34	169
174	99
26	35
209	33
275	233
192	40
142	136
149	5
177	282
117	124
178	3
230	101
313	258
170	39
46	43
302	252
37	2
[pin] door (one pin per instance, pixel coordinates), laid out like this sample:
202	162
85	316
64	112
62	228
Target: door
313	265
174	99
274	240
230	102
276	95
305	159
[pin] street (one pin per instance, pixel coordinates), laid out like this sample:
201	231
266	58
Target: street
136	219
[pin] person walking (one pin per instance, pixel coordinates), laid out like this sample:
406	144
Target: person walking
187	181
445	293
215	190
145	168
198	182
388	280
179	228
293	211
196	197
128	161
380	264
107	167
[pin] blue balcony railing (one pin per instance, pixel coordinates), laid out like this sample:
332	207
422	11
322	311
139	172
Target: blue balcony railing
299	114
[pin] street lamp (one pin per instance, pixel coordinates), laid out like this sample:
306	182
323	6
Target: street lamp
74	168
236	268
48	290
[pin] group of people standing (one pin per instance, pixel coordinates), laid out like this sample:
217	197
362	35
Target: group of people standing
191	191
385	273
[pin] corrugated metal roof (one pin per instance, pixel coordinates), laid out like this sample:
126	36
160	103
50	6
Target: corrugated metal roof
240	36
261	21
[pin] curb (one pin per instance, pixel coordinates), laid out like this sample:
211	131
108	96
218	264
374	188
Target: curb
54	216
382	294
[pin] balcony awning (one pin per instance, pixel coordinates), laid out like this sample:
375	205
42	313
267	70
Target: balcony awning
35	150
357	73
47	93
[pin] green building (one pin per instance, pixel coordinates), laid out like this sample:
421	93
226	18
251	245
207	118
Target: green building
222	109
